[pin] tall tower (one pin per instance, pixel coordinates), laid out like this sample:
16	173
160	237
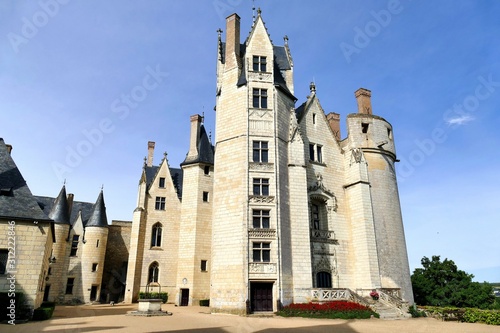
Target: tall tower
195	235
60	213
254	98
94	251
374	154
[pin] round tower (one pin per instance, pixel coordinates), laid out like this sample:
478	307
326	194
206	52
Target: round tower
372	136
94	251
58	267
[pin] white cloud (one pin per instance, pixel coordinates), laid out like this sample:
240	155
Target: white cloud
461	120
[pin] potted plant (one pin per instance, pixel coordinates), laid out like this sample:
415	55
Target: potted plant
374	295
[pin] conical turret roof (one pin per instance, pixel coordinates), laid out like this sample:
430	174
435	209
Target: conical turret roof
98	217
60	210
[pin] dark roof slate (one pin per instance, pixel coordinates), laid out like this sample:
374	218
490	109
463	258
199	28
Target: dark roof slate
16	199
60	210
176	173
46	204
98	216
205	150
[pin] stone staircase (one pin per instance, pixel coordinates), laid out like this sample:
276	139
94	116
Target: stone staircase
387	310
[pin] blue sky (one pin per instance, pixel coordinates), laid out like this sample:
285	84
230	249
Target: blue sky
85	84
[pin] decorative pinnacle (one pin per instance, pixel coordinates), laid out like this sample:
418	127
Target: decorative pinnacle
219	32
145	159
259	11
285	39
164	155
312	87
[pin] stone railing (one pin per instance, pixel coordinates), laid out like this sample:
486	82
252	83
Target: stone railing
262	268
262	233
324	236
330	294
396	302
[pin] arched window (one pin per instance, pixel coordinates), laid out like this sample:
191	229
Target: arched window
154	271
323	280
156	235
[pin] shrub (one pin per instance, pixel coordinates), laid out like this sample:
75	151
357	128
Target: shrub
416	313
45	311
162	296
23	310
204	302
332	310
468	315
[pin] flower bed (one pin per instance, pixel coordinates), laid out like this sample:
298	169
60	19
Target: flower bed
332	310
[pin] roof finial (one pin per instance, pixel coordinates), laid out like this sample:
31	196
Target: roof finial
219	32
312	87
102	187
145	159
286	39
203	115
64	183
164	155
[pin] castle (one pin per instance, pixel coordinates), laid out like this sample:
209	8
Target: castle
280	209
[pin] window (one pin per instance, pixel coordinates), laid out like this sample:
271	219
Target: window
260	151
156	235
203	266
154	270
97	243
260	218
364	127
316	153
161	183
94	267
206	170
315	216
205	196
4	256
160	203
259	64
323	280
74	245
314	118
260	98
261	186
49	272
69	285
389	133
261	252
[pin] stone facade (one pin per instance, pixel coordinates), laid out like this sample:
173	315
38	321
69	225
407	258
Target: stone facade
283	207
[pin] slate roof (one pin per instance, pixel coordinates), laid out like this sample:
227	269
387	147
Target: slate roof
60	210
16	199
205	150
98	217
46	203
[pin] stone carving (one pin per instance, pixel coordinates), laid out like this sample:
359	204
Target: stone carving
262	233
261	199
319	191
255	267
259	76
357	156
255	166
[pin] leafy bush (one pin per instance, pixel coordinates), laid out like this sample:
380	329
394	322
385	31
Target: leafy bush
23	310
332	310
468	315
45	311
162	296
416	313
204	302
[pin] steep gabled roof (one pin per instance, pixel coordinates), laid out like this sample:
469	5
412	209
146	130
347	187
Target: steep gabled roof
98	216
16	199
176	173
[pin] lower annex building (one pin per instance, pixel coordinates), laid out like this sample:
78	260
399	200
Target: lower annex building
280	208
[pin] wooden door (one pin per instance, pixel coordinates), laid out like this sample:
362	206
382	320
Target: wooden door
184	297
262	296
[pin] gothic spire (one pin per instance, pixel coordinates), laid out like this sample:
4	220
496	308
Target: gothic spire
60	210
98	217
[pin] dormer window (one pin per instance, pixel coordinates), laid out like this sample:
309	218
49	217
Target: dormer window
259	64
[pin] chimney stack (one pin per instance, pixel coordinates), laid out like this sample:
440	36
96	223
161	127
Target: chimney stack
232	41
195	135
9	148
334	122
71	196
364	104
151	150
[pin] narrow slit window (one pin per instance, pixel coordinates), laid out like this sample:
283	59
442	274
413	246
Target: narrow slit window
364	127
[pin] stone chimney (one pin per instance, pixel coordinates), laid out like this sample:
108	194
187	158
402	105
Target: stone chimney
232	41
9	148
334	122
364	103
71	196
195	135
151	150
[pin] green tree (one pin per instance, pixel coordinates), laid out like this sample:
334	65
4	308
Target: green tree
443	284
